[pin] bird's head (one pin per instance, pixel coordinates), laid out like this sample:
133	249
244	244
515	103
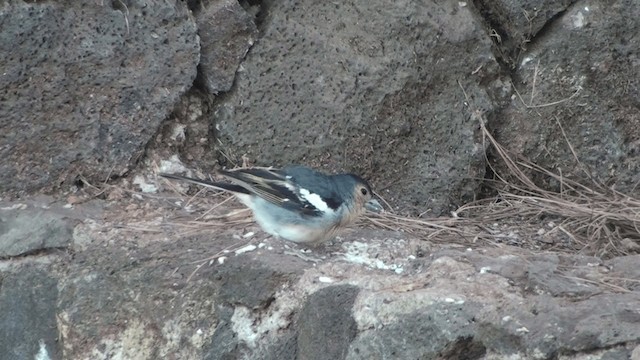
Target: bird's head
361	193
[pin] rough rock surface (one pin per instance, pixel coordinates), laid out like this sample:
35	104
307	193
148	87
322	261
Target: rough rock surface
373	87
386	89
126	292
578	90
31	226
85	84
515	23
226	33
31	230
28	297
389	97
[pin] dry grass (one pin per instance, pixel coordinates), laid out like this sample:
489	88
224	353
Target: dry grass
601	220
597	220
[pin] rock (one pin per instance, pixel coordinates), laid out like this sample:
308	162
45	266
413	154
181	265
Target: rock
391	90
103	300
539	273
153	296
515	23
577	92
28	315
326	326
377	88
147	301
226	32
86	84
253	282
25	231
266	304
626	269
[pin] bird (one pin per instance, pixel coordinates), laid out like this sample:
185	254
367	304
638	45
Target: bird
296	203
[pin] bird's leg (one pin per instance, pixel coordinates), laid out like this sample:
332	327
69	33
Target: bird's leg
302	254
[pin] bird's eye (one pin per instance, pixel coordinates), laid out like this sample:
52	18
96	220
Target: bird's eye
364	191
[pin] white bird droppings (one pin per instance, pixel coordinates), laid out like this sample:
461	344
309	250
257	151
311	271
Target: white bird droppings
245	249
325	279
42	354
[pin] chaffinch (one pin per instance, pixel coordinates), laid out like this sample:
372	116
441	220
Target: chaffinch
296	203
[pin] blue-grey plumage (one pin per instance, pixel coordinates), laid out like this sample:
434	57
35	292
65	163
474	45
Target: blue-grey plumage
297	203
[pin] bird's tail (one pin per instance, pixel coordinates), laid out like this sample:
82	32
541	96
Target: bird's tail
215	185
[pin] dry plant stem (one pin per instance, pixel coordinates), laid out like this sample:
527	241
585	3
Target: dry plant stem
600	283
191	199
219	254
214	207
593	215
383	200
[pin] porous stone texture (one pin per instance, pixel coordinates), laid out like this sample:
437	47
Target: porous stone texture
578	93
391	90
326	326
226	33
85	84
150	290
157	297
379	88
27	230
513	24
28	297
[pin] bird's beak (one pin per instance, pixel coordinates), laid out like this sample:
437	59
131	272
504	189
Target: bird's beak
374	206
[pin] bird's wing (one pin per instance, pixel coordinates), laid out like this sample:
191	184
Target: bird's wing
275	186
316	187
